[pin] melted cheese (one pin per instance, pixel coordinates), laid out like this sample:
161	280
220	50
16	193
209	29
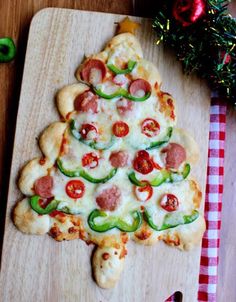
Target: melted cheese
107	115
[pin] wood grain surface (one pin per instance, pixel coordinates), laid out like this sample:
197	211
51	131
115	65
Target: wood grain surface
58	41
14	22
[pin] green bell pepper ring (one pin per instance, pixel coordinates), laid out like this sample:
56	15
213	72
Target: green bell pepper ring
34	203
162	177
179	219
67	210
158	144
7	50
92	144
111	222
116	70
179	176
80	172
121	93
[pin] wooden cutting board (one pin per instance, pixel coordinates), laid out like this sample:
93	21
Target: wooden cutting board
37	268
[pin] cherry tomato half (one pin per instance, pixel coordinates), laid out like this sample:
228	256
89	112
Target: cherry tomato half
88	131
150	127
90	160
143	165
75	189
120	129
169	202
143	154
143	193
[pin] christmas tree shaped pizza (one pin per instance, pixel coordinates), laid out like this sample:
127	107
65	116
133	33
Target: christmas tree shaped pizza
116	168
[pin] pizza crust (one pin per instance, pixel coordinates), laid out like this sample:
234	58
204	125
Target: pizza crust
66	96
30	172
108	264
146	70
51	139
197	197
50	144
67	227
185	237
145	235
28	221
127	39
182	137
114	240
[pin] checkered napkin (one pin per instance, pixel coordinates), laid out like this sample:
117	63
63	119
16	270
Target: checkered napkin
213	204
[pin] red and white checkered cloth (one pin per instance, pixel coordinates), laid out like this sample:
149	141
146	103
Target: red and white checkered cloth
213	204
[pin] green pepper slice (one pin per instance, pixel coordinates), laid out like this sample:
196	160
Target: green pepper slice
7	50
80	172
162	177
116	70
158	144
111	222
34	203
52	206
91	144
178	218
67	210
121	93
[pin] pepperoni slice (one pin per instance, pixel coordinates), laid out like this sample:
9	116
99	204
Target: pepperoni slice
43	186
144	193
88	131
169	202
143	164
75	189
124	106
175	155
120	129
139	88
150	127
119	159
93	71
90	160
86	102
109	198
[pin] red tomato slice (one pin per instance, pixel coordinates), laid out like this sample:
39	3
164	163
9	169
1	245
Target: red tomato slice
150	127
90	160
144	193
169	202
75	188
120	129
88	131
143	154
143	165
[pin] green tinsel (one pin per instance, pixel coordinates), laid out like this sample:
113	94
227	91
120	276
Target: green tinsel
207	46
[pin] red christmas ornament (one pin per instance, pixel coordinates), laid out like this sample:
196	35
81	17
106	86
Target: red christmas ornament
225	57
188	12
